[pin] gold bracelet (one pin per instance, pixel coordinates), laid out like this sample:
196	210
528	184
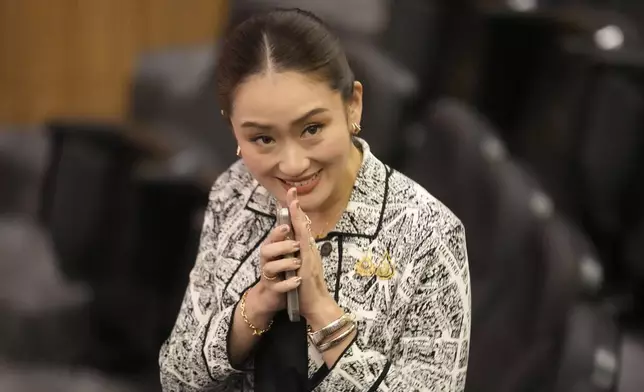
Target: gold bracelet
336	340
318	336
256	331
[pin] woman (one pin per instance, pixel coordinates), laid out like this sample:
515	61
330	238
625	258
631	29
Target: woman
382	269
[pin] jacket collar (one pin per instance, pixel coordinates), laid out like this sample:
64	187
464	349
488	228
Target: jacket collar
364	212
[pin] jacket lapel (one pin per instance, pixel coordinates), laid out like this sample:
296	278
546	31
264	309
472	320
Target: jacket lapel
364	212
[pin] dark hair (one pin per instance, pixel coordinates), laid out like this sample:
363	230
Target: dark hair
284	40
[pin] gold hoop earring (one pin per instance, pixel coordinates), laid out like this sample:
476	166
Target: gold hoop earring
356	128
238	151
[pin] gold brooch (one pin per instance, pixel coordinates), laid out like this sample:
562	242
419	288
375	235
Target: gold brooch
365	266
386	269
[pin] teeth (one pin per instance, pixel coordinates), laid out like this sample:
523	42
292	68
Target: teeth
303	183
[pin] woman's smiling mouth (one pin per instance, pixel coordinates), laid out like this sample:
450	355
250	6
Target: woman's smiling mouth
304	185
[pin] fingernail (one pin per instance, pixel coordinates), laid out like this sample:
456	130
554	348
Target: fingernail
296	245
297	204
284	229
297	280
297	261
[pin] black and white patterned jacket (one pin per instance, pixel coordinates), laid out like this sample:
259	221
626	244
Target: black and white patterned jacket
413	329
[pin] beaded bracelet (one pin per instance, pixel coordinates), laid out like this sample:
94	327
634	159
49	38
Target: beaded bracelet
256	331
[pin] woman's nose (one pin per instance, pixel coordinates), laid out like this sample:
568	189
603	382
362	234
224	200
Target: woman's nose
294	162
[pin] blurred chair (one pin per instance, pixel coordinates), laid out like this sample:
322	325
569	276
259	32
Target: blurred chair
24	156
413	35
31	280
611	153
601	353
521	52
581	131
171	208
562	81
16	378
631	378
41	310
389	93
590	351
523	258
174	96
124	209
90	208
88	200
42	313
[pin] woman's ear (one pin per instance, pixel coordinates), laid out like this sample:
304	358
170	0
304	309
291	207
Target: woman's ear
355	104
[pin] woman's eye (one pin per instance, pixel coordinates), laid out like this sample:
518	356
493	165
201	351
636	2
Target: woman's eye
313	129
262	140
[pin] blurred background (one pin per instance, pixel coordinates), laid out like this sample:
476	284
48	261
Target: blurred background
524	116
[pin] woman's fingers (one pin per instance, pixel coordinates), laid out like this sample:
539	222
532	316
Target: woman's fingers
287	285
301	226
276	267
277	234
277	250
297	215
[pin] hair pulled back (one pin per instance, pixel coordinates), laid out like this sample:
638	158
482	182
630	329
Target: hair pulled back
278	41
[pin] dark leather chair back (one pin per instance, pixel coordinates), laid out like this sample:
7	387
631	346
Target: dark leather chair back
523	269
40	308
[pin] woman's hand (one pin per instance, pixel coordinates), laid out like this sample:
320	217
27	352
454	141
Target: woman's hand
316	303
267	297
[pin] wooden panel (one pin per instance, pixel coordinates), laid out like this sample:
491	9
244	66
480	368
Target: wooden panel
171	22
74	58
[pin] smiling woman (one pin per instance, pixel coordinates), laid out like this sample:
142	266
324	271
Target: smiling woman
387	299
291	98
292	129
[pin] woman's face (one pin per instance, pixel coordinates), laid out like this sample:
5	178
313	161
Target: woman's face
294	131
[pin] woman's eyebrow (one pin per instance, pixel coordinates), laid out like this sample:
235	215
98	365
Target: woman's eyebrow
299	120
308	114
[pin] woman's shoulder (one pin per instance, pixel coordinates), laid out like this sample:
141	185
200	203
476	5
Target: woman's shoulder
233	185
432	224
402	194
407	192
